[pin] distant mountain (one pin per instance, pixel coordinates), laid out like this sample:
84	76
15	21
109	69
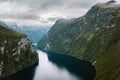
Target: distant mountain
94	37
16	52
3	24
34	33
13	26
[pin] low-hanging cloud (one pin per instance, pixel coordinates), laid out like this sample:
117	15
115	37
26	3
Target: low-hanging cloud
27	10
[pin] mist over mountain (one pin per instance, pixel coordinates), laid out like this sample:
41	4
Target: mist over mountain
75	47
33	32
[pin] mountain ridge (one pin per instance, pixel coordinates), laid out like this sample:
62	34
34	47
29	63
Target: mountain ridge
93	37
33	32
16	52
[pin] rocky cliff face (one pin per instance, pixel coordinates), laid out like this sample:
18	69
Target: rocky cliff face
93	37
16	52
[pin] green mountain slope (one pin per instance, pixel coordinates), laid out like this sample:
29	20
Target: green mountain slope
94	37
16	52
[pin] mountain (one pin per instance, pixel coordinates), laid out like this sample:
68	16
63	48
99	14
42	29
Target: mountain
3	24
16	52
34	32
13	26
93	37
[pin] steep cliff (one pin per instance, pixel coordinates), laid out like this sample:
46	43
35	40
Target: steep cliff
94	37
16	52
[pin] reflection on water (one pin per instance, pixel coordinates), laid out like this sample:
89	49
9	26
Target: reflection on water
56	67
26	74
49	71
81	68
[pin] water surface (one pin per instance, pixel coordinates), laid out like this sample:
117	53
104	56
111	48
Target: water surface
56	67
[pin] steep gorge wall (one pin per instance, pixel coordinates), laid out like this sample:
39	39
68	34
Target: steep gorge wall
16	52
93	37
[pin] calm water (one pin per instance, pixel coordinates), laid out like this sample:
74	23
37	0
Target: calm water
56	67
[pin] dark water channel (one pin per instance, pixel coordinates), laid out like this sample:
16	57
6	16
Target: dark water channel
56	67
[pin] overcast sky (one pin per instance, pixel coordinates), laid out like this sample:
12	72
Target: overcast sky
43	12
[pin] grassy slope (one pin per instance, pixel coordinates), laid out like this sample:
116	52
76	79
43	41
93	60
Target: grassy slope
102	46
108	66
13	63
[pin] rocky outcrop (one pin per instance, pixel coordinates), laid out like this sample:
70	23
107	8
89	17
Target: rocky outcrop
93	37
16	52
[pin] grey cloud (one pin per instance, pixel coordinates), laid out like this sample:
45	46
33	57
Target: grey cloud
54	18
47	4
24	17
32	9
